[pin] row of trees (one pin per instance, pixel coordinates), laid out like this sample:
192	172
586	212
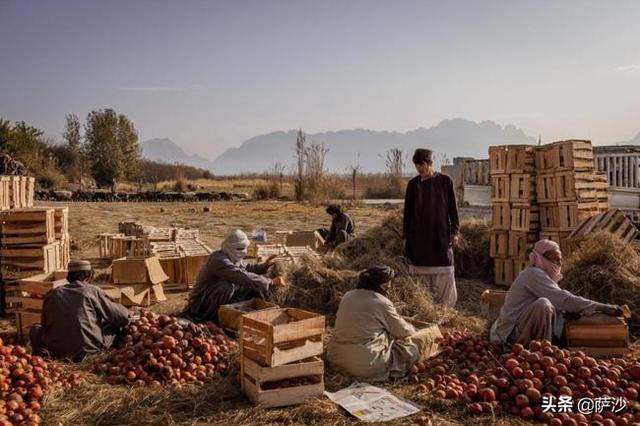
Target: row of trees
105	148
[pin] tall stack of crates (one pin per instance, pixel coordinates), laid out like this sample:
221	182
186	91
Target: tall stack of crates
280	356
516	217
540	192
569	188
33	241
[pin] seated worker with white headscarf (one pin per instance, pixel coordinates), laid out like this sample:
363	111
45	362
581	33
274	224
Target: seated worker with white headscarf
534	305
371	341
225	278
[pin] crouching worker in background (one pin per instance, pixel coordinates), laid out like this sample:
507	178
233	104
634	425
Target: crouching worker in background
225	278
371	341
78	319
534	305
341	230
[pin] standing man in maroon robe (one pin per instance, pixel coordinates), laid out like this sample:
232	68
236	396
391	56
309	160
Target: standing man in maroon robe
430	228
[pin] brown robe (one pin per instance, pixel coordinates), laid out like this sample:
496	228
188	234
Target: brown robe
430	219
79	319
220	282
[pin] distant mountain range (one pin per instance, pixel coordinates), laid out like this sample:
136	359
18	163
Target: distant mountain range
451	138
167	151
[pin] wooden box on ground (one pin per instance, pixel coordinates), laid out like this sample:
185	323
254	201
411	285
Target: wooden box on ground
521	244
604	333
500	188
25	319
105	242
497	159
282	385
429	334
503	271
27	226
303	239
501	216
139	280
520	159
492	301
499	244
613	221
280	336
229	315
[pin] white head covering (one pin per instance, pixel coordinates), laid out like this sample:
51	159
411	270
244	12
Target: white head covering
235	245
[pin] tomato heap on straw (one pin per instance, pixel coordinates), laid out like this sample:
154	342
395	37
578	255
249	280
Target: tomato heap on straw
516	382
159	349
23	380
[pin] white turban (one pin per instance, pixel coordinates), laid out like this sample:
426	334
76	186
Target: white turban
235	245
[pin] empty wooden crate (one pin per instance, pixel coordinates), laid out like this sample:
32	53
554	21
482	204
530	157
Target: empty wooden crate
282	385
229	315
503	271
501	216
497	159
598	334
500	188
27	226
492	301
499	244
280	336
520	159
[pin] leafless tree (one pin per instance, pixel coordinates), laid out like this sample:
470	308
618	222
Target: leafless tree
300	161
354	169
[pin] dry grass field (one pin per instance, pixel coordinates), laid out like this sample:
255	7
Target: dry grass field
95	402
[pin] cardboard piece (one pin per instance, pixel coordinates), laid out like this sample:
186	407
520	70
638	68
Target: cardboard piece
138	270
141	294
429	334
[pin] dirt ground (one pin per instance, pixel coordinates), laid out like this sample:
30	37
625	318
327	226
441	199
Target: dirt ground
95	402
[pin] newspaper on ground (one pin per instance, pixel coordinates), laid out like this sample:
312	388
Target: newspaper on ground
372	404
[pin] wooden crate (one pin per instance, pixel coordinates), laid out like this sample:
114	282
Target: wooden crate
105	243
525	218
280	336
500	188
5	192
21	262
521	244
61	222
492	301
497	159
499	244
503	271
520	159
229	315
572	213
175	269
579	186
255	380
41	284
193	264
613	221
546	188
549	217
30	188
522	188
565	155
303	239
501	216
27	226
25	320
597	331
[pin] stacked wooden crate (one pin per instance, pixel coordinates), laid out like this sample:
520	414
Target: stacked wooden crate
33	290
33	241
516	218
569	188
280	356
16	192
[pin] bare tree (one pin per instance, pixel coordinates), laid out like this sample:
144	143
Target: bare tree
394	160
354	169
300	161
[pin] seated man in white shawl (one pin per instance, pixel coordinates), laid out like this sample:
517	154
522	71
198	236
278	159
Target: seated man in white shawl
225	278
371	341
534	304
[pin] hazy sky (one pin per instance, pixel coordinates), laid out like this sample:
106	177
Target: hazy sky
210	74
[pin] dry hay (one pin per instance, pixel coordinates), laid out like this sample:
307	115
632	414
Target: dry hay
607	270
472	253
318	285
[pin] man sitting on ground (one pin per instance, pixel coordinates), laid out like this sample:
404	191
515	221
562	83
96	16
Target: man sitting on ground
371	341
78	319
534	305
342	227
